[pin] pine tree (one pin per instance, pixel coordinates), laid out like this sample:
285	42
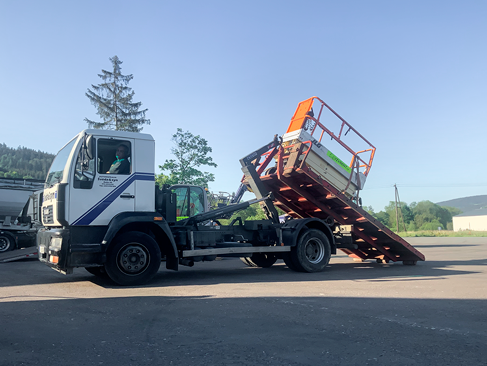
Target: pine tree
113	101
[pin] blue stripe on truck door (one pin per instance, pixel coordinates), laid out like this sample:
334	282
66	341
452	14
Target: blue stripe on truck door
95	211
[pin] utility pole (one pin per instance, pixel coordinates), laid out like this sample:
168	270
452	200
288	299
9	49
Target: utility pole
398	203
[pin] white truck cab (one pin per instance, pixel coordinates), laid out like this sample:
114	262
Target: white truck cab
79	188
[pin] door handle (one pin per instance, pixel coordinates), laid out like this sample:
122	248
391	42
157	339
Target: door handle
127	195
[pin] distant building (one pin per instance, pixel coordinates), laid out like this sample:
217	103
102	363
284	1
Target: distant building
473	220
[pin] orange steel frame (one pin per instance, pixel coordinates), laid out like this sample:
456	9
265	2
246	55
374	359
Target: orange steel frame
302	193
301	117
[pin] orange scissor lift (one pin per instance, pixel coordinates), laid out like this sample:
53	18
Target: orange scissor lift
308	180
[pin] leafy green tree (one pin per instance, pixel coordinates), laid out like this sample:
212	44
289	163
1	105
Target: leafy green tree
453	210
166	179
407	215
432	225
113	101
427	212
253	212
191	152
412	226
23	163
259	214
369	209
383	217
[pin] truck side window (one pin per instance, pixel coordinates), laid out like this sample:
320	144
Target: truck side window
181	203
84	174
196	201
114	157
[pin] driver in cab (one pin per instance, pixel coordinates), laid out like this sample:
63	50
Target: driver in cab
121	165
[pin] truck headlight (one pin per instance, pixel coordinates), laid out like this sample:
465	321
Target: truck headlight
56	244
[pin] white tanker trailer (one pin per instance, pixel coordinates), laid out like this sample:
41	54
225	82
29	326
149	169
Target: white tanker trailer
19	212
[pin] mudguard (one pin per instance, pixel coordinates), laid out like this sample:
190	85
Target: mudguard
292	228
152	218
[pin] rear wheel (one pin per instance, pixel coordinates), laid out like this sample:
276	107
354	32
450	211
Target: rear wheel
263	260
312	251
288	260
133	259
7	242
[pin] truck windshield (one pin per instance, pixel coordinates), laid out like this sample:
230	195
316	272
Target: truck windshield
56	171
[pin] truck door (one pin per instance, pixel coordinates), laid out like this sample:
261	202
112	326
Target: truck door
104	185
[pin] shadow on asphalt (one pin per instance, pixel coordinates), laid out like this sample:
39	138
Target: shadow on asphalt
280	273
31	272
275	331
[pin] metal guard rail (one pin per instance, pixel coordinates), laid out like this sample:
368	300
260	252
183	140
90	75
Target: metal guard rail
302	120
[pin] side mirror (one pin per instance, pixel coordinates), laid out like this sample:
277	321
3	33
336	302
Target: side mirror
90	147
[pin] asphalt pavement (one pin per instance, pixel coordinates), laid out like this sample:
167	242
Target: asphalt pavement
225	313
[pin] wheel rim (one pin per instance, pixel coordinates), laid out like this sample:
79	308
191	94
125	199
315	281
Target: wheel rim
314	250
4	244
133	259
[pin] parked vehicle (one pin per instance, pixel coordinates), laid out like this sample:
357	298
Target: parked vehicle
19	213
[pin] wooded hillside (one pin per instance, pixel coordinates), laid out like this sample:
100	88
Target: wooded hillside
24	163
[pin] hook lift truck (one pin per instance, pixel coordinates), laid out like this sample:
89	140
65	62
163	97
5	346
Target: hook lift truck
121	225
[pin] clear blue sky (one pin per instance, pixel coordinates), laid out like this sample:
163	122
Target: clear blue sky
411	76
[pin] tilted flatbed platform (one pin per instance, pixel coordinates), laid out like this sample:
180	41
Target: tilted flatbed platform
302	190
300	193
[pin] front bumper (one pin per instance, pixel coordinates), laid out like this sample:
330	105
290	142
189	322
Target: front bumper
53	248
56	250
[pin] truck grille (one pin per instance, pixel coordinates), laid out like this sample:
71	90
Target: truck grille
47	215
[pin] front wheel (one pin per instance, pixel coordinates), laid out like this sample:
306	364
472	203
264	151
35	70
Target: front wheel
312	252
7	242
133	259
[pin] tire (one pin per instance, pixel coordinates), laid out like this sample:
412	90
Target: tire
133	259
7	242
289	261
312	252
263	260
97	271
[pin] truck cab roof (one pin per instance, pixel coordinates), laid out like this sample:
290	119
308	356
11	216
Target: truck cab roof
118	134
